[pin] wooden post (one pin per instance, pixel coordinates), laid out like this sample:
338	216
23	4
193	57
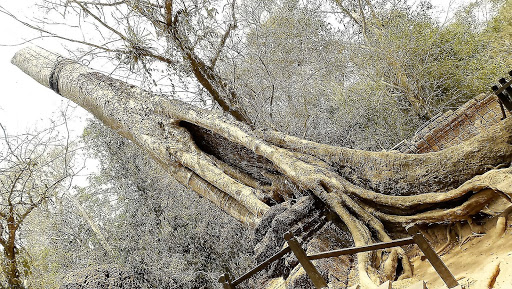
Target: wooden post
226	281
502	110
432	257
505	99
310	269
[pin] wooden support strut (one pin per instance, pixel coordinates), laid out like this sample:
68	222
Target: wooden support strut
432	257
310	269
316	277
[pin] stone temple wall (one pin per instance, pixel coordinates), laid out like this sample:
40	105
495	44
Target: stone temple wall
454	127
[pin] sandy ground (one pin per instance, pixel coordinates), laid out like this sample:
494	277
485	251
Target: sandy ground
474	260
478	261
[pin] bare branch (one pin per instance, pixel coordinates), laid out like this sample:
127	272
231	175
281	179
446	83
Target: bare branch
222	43
372	10
54	35
347	12
103	3
168	13
101	21
361	11
11	150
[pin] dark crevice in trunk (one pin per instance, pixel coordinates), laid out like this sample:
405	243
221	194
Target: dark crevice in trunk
231	153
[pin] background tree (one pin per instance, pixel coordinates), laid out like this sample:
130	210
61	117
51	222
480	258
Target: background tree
291	68
140	227
429	65
35	167
367	88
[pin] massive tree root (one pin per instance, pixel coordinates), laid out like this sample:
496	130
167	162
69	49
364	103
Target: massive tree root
246	172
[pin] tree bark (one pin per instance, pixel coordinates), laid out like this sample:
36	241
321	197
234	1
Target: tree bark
245	172
11	271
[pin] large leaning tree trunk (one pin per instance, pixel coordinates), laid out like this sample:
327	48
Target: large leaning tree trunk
248	172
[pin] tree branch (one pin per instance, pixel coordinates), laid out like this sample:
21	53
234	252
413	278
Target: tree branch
168	13
347	12
224	95
101	21
231	26
103	3
361	11
221	45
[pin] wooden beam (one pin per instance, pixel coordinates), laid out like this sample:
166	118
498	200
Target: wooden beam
354	250
432	257
310	269
504	84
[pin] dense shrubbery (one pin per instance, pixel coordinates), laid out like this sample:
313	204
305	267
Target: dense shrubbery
152	231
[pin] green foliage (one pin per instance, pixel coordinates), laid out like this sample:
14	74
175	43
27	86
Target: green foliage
419	59
290	71
372	86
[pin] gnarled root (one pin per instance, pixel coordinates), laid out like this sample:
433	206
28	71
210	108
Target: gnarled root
368	276
501	222
389	266
303	217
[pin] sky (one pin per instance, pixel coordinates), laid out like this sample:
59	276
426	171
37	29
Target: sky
24	103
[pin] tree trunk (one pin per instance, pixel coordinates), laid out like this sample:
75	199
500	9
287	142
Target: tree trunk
251	174
11	267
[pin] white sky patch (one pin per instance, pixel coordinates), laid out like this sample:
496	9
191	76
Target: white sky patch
446	8
26	105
